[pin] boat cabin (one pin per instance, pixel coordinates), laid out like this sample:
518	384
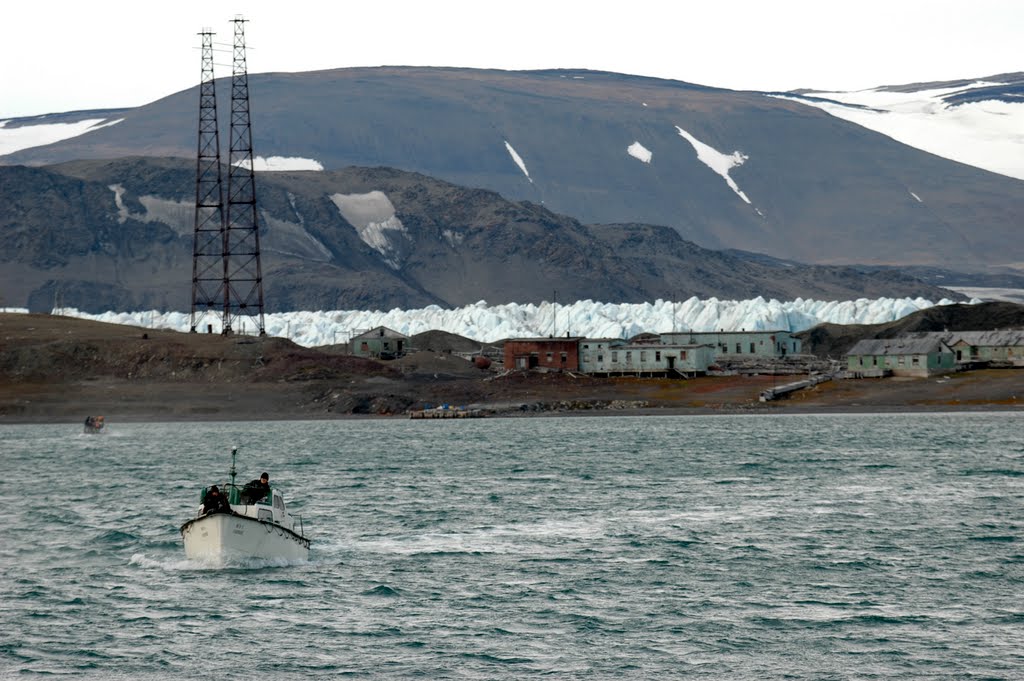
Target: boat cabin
269	509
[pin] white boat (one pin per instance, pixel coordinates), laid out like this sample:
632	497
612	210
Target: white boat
263	529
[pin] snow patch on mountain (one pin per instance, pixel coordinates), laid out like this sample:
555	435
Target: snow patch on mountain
281	163
122	210
453	238
37	135
488	323
640	152
178	215
987	134
717	161
518	160
292	239
373	216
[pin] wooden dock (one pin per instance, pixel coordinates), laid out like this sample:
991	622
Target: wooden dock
775	393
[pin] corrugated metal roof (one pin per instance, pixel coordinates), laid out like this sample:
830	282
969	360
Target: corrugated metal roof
900	346
997	338
376	333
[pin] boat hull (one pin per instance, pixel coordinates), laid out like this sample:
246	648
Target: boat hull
231	537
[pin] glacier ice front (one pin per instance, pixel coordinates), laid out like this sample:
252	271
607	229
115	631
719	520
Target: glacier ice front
488	323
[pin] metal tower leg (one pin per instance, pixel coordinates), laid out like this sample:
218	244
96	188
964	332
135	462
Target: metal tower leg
209	269
243	277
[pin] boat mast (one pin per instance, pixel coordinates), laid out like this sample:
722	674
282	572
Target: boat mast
234	452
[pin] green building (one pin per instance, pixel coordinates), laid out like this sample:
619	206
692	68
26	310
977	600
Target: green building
927	355
1000	347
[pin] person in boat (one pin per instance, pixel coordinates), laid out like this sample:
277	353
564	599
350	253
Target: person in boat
215	502
255	490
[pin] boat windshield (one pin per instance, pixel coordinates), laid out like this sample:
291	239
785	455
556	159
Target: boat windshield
238	495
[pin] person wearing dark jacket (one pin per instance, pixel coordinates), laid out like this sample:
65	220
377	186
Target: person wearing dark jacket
215	502
255	490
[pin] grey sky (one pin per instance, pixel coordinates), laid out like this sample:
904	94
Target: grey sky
63	55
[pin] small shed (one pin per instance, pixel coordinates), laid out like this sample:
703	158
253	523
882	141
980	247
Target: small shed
554	353
925	356
379	343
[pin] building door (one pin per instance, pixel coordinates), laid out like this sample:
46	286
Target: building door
671	359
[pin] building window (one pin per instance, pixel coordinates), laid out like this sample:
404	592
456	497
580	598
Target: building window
586	356
629	356
752	350
739	349
916	361
615	356
643	356
682	355
902	360
586	347
600	359
657	355
364	346
874	361
565	358
550	356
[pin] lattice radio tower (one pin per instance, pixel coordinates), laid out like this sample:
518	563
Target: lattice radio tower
243	279
209	267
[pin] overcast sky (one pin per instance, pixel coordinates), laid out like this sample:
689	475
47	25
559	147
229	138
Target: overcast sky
68	55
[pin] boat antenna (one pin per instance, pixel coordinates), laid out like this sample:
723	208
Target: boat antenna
234	453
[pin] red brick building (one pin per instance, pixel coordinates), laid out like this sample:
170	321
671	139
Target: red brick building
552	353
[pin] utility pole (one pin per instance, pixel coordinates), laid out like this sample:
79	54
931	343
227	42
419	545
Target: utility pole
554	313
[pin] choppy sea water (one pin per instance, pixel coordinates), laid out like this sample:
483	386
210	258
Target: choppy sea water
725	547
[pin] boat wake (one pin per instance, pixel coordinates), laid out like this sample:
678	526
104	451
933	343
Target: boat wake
192	564
144	561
